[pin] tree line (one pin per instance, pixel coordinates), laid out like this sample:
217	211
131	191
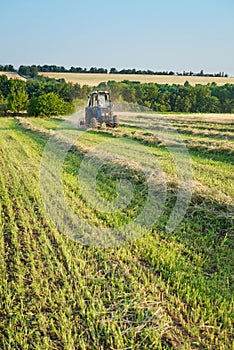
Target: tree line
39	97
7	68
32	71
47	97
208	98
150	72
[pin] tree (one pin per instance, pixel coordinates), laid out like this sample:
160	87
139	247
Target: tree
49	105
30	71
213	105
3	104
17	101
225	95
186	84
115	89
7	68
4	85
164	104
129	94
202	95
113	71
182	104
33	71
150	94
24	70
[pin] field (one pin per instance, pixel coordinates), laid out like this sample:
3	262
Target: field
160	291
12	75
95	79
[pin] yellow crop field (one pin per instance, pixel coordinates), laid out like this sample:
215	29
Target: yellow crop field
12	75
95	79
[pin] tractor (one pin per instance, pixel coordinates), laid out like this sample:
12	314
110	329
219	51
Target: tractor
99	111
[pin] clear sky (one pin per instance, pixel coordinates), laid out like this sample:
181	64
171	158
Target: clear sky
144	34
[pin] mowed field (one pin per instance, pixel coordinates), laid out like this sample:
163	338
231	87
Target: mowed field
161	291
95	79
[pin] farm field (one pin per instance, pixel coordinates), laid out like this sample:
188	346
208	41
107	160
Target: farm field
161	291
13	75
95	79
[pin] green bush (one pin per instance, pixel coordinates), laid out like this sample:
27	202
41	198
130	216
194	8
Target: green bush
17	101
48	105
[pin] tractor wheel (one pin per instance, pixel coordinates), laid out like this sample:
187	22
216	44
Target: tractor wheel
93	123
115	121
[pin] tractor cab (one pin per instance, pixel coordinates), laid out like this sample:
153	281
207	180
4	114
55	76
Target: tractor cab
99	110
99	99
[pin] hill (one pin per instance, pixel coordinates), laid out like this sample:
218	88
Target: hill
12	75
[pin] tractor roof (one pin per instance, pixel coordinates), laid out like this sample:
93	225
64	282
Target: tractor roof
99	92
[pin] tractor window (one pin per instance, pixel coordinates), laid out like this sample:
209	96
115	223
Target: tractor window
94	100
103	100
99	100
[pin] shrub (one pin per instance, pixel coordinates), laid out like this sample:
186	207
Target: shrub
48	105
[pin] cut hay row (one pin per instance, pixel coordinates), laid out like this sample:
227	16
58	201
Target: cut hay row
200	118
202	145
221	149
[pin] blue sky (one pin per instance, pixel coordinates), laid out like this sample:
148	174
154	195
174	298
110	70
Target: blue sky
148	34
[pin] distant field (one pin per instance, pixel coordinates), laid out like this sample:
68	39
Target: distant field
12	75
95	79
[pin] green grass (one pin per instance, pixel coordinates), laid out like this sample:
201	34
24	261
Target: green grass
163	291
